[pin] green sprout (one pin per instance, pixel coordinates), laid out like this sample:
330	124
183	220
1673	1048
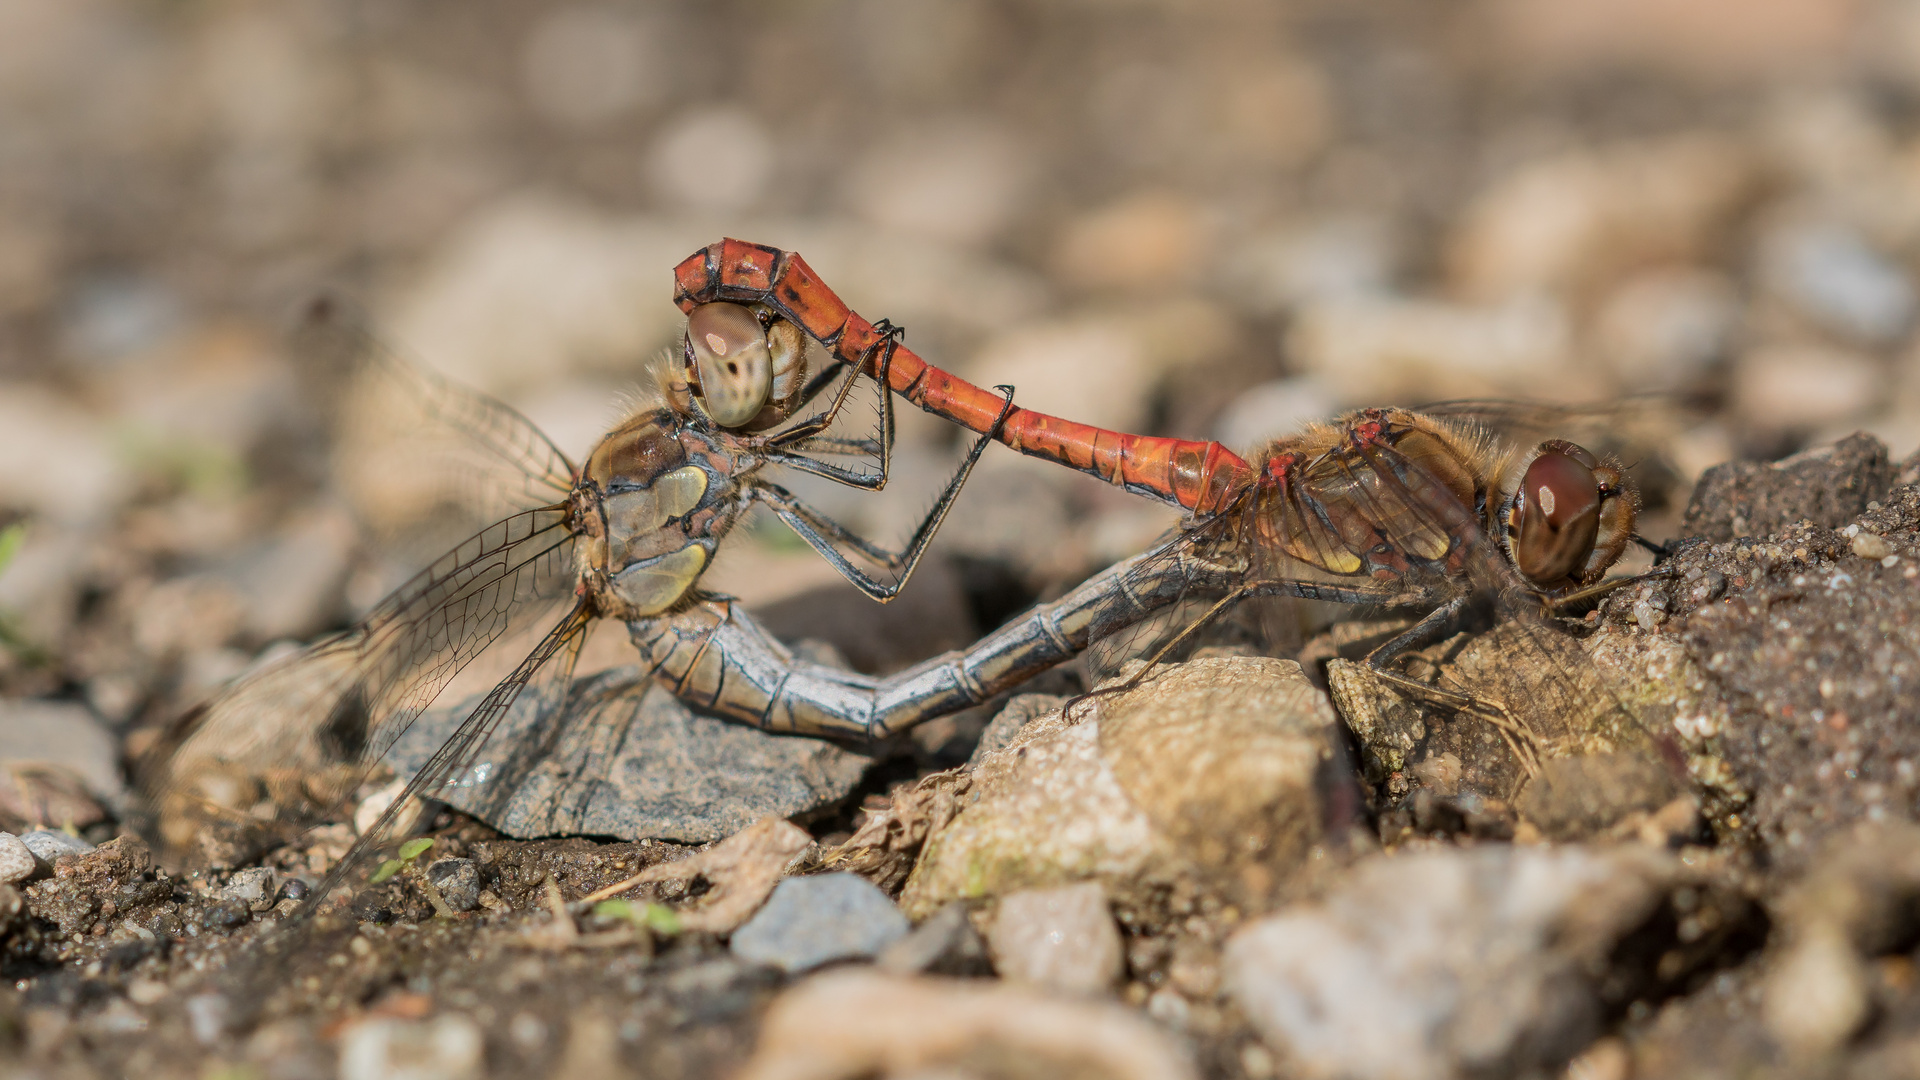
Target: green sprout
648	916
409	851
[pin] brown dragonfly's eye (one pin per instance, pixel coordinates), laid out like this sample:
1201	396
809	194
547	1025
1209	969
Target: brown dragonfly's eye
729	366
1555	516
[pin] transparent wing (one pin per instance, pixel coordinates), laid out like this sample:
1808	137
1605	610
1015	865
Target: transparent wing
469	459
540	682
304	732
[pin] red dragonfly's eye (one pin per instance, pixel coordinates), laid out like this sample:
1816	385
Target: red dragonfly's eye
1556	514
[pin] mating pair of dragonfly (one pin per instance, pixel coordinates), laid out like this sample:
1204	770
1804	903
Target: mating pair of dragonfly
1431	513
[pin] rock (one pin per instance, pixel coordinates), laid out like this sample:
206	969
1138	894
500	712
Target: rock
12	904
1209	773
446	1047
254	887
1578	797
458	881
1006	725
1573	222
60	462
1857	903
64	735
740	872
1131	351
1059	939
294	584
17	862
31	792
1828	485
1460	962
628	759
1148	240
810	921
1342	257
847	1024
1273	409
207	1017
958	179
41	584
532	287
716	157
1663	330
113	881
944	944
1831	275
1573	39
1797	388
1818	995
1391	349
1792	652
585	67
48	845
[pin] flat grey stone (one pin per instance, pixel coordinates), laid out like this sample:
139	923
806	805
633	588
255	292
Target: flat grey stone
48	845
809	921
625	758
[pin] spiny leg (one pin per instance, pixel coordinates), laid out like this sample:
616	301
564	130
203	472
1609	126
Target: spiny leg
820	532
820	422
1555	603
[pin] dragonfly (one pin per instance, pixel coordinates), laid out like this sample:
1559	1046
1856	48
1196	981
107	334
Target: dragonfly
1439	513
624	535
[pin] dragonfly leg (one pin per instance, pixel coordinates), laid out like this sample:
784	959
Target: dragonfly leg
1518	737
784	448
822	533
1603	588
819	422
1431	626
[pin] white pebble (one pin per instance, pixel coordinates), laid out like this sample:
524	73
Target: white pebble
16	860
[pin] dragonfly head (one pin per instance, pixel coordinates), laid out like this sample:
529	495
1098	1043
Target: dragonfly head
1571	516
742	366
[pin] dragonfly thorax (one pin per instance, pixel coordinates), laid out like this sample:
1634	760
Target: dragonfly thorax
651	512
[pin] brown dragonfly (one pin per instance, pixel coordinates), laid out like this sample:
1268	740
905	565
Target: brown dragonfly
1440	513
624	536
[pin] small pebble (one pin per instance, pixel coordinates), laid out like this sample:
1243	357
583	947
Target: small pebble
809	921
1871	546
253	887
207	1015
458	881
16	860
1062	939
945	944
448	1047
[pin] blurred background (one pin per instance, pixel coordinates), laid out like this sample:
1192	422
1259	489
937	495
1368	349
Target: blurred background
1207	219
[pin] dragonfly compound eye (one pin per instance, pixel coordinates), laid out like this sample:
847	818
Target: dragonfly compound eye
1555	516
729	366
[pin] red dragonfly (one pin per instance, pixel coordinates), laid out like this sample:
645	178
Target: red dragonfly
1435	512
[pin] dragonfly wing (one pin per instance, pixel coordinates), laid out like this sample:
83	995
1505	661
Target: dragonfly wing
470	457
305	731
541	682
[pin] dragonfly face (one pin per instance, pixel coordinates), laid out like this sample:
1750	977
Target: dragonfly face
1569	518
659	492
